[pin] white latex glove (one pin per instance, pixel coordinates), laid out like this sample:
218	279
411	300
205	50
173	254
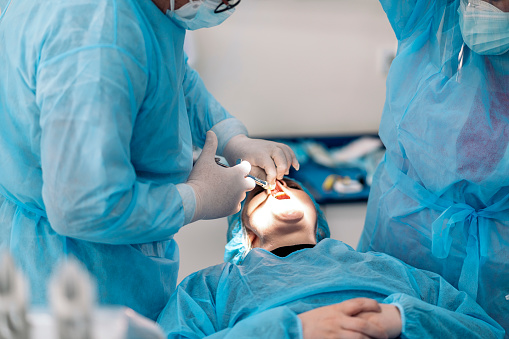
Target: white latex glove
269	159
218	190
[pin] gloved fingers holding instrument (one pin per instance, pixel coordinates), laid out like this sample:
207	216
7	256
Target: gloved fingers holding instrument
219	191
269	160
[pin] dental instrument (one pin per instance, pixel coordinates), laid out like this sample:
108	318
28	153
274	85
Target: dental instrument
264	184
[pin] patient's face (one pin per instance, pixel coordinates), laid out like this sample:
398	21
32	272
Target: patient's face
289	215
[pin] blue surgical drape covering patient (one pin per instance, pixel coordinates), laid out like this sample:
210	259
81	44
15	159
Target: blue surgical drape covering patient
99	112
440	198
262	292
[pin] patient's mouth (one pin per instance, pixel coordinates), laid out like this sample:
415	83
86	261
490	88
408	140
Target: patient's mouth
278	192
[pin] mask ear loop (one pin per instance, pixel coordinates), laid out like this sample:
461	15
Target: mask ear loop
460	57
463	55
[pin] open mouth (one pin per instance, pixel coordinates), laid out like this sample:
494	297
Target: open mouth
278	192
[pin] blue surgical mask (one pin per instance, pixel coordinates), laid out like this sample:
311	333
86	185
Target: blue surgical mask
484	27
197	14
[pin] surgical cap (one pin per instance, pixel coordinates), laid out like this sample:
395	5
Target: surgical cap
237	247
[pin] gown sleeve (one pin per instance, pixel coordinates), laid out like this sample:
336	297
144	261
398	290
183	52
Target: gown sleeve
441	311
206	113
89	95
405	16
193	313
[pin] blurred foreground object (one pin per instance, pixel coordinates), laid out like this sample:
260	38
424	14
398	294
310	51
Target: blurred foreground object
13	301
72	298
106	323
74	314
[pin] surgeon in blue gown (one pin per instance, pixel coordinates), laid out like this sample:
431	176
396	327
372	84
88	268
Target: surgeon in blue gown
99	113
440	198
283	278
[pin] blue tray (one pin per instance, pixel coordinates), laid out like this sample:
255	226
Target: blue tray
313	175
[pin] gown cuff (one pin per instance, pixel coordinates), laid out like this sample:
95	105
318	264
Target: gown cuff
227	129
188	201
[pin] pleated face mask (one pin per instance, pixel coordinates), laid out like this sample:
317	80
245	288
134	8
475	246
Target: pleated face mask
198	14
484	27
189	10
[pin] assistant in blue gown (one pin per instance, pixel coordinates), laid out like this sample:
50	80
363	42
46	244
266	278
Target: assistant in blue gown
440	198
98	115
257	294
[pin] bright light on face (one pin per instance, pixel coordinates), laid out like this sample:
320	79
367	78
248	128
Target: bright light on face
268	218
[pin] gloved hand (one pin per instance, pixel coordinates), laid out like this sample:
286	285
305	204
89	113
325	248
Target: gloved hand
269	159
218	190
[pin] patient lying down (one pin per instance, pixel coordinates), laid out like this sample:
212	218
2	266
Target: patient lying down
283	278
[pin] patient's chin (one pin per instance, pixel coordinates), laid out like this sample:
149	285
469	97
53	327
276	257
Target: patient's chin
289	215
287	210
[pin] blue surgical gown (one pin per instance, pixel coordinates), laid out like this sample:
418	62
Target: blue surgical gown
440	198
261	297
98	115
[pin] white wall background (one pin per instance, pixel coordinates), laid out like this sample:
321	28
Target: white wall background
293	68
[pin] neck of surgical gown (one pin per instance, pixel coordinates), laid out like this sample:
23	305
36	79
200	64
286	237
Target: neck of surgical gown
440	198
261	297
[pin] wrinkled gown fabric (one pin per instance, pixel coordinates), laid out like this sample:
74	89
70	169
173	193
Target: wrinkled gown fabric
98	114
262	297
440	198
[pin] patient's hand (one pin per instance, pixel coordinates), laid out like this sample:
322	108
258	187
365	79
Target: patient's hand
341	320
389	319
